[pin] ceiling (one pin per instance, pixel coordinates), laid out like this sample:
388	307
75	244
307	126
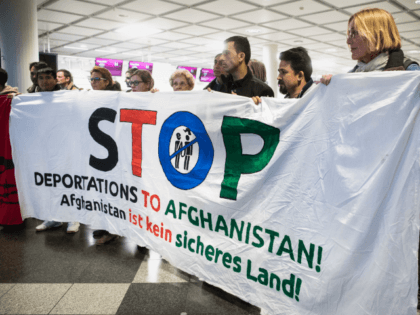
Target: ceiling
191	32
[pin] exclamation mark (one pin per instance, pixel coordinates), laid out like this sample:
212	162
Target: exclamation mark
298	284
318	268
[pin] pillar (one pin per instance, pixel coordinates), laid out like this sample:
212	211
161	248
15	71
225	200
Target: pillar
271	62
19	40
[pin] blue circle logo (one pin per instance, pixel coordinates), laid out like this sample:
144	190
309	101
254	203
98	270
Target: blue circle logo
185	150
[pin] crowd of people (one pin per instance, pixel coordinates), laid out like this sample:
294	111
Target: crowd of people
372	37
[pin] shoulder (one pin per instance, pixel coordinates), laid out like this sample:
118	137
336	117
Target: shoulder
263	89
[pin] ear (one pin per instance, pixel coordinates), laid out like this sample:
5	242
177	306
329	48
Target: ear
301	76
241	56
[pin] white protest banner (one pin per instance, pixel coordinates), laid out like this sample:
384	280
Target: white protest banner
306	206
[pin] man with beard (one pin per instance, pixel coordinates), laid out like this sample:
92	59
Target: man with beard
240	80
295	71
217	83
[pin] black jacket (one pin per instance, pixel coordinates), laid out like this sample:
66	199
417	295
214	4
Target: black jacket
32	88
214	86
248	86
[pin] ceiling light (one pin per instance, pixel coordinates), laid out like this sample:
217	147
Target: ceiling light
253	30
69	47
331	50
139	30
414	51
417	1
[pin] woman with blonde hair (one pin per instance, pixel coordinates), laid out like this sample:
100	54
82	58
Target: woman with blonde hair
182	80
375	42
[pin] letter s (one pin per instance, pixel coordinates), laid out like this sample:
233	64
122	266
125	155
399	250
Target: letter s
103	139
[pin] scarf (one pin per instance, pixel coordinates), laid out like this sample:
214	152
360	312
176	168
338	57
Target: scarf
376	64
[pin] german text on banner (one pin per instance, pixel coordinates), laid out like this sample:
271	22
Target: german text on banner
306	206
9	204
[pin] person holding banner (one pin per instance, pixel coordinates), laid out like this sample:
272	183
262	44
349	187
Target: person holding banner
47	80
240	80
141	81
101	80
182	80
6	89
375	42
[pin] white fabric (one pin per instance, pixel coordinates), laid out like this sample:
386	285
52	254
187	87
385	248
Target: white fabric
344	177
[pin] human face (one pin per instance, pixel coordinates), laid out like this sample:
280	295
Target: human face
141	87
180	83
61	79
98	84
46	82
218	67
288	79
231	59
33	75
127	79
358	45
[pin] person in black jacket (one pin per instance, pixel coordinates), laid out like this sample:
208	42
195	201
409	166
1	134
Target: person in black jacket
217	83
240	79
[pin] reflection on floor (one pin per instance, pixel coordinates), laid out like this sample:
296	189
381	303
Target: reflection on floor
56	273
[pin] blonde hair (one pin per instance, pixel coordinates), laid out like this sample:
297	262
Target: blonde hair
182	72
378	28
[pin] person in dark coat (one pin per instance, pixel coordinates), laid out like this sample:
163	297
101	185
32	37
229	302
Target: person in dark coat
240	79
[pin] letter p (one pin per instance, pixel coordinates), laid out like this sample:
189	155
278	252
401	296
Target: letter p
237	163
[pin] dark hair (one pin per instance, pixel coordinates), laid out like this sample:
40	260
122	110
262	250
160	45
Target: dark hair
46	71
66	73
258	69
38	65
3	77
241	44
131	71
145	76
299	61
116	86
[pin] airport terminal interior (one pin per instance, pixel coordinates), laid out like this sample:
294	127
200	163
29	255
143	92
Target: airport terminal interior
52	272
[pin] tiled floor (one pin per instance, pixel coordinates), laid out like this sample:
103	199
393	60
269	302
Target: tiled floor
52	272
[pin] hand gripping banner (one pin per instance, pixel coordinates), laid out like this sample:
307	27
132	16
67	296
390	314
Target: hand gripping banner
306	206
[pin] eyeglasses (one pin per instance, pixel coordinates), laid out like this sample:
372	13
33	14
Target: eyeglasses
182	83
135	82
352	34
96	79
